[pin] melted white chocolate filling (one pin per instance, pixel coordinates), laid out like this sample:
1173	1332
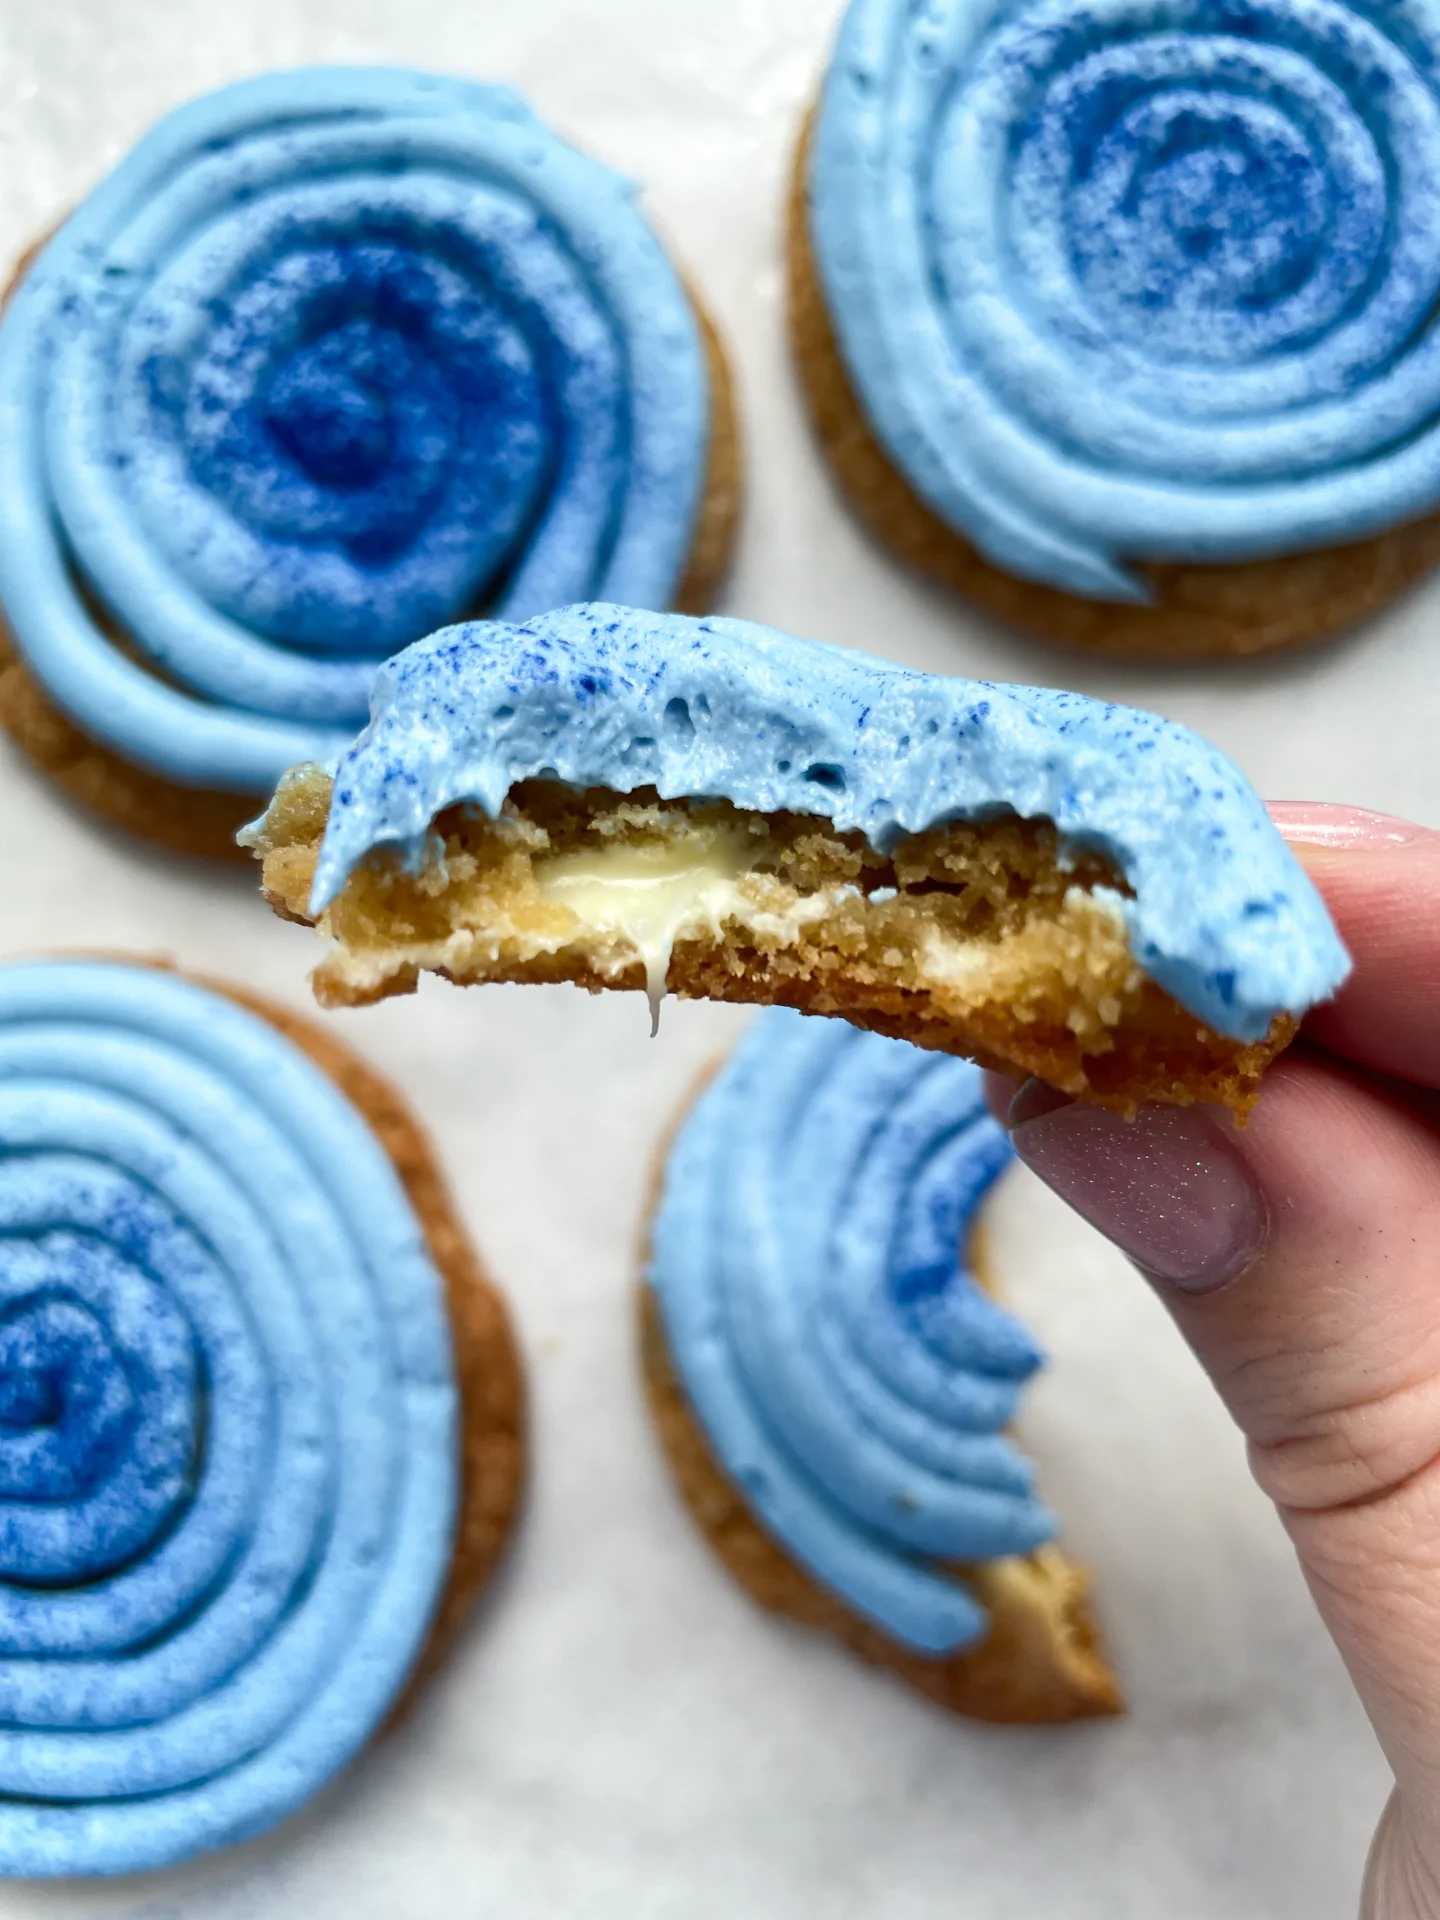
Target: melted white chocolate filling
648	896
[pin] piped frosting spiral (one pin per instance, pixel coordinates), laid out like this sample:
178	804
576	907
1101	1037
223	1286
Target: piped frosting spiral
1140	279
228	1443
851	1376
333	357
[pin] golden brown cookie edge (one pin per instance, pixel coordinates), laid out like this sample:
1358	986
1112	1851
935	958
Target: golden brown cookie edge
712	544
1042	1663
186	820
1198	612
1221	1072
488	1370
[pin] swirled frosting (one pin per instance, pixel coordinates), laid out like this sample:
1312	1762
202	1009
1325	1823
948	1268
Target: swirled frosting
1140	279
850	1375
227	1423
333	357
1220	913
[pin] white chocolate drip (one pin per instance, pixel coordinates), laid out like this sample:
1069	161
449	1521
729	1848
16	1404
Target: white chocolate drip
649	895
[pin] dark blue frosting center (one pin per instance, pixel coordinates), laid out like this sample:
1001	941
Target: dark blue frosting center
357	397
66	1407
1216	203
329	412
100	1425
1198	204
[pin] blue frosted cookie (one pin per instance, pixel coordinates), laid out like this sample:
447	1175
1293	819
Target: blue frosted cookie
332	358
260	1415
833	1383
1119	318
1047	883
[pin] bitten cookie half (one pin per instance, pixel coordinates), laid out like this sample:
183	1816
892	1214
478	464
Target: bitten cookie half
1108	379
831	1385
1047	884
248	454
264	1414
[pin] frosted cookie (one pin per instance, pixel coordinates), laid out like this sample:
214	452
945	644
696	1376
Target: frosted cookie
833	1387
332	358
260	1414
1121	322
1046	883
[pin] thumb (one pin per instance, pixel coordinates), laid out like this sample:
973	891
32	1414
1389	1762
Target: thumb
1299	1256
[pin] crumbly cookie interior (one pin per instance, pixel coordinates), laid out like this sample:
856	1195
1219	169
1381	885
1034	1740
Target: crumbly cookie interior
976	938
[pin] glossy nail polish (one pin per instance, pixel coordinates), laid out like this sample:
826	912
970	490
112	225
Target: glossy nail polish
1322	823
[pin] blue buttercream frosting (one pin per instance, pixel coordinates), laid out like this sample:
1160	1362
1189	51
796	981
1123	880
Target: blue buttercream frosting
1140	279
228	1423
852	1378
1221	915
331	358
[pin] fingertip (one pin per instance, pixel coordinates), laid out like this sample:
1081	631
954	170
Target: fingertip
1380	879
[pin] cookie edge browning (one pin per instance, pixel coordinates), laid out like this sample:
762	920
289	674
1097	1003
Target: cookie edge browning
202	822
1198	612
1114	1079
717	521
488	1370
195	821
1042	1662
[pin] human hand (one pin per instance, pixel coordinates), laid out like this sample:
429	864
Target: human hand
1300	1257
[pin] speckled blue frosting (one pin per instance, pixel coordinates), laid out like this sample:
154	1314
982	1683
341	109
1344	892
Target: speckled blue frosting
850	1375
228	1430
596	696
1140	279
333	357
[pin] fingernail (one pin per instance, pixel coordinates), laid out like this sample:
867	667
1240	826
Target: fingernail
1321	823
1170	1188
999	1090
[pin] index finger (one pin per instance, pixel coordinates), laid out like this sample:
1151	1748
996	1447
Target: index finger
1380	878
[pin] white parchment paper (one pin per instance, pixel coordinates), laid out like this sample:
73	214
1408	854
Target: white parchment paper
623	1736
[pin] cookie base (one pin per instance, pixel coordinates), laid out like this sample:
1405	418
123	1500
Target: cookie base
1141	1067
1197	612
1050	990
1040	1663
181	819
712	544
487	1361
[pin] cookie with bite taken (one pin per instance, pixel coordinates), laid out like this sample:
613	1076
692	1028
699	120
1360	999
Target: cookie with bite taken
833	1384
1042	882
